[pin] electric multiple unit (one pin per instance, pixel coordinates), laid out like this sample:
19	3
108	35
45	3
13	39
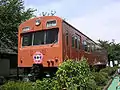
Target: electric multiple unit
49	40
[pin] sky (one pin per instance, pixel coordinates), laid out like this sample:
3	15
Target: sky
98	19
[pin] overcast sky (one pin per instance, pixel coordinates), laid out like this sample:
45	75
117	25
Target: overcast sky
98	19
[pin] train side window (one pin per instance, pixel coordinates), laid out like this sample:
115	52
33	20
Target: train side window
73	41
85	45
96	48
67	38
88	47
93	47
76	43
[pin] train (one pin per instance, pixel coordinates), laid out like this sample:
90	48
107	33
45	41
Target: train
45	42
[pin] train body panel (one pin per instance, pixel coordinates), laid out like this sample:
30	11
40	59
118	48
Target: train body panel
74	47
48	56
49	53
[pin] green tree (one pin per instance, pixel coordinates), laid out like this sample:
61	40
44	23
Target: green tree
104	44
12	13
112	48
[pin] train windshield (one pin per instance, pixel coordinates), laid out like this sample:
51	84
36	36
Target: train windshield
40	37
27	39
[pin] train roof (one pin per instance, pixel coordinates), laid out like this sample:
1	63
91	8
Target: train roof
37	18
63	21
79	31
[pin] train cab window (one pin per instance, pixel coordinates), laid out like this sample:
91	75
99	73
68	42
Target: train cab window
46	37
73	41
67	38
27	39
51	36
51	23
39	38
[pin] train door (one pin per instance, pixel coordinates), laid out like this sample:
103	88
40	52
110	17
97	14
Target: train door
77	46
67	45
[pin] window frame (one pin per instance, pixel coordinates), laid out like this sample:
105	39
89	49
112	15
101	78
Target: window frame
79	43
76	42
22	34
88	47
73	41
44	40
67	38
92	47
84	45
54	38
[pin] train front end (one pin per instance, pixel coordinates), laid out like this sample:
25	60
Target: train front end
40	43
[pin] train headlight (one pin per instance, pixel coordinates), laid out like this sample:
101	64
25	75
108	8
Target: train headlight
37	22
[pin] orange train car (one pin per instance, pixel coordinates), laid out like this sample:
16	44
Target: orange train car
49	40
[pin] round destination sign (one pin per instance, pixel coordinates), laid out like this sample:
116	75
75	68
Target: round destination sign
37	57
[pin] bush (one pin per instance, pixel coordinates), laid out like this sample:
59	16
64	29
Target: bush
105	74
45	84
72	74
109	70
100	78
11	85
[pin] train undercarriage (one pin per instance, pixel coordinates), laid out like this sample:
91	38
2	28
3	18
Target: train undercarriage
36	72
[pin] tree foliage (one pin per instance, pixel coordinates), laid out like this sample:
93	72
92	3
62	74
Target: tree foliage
12	13
73	74
113	49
